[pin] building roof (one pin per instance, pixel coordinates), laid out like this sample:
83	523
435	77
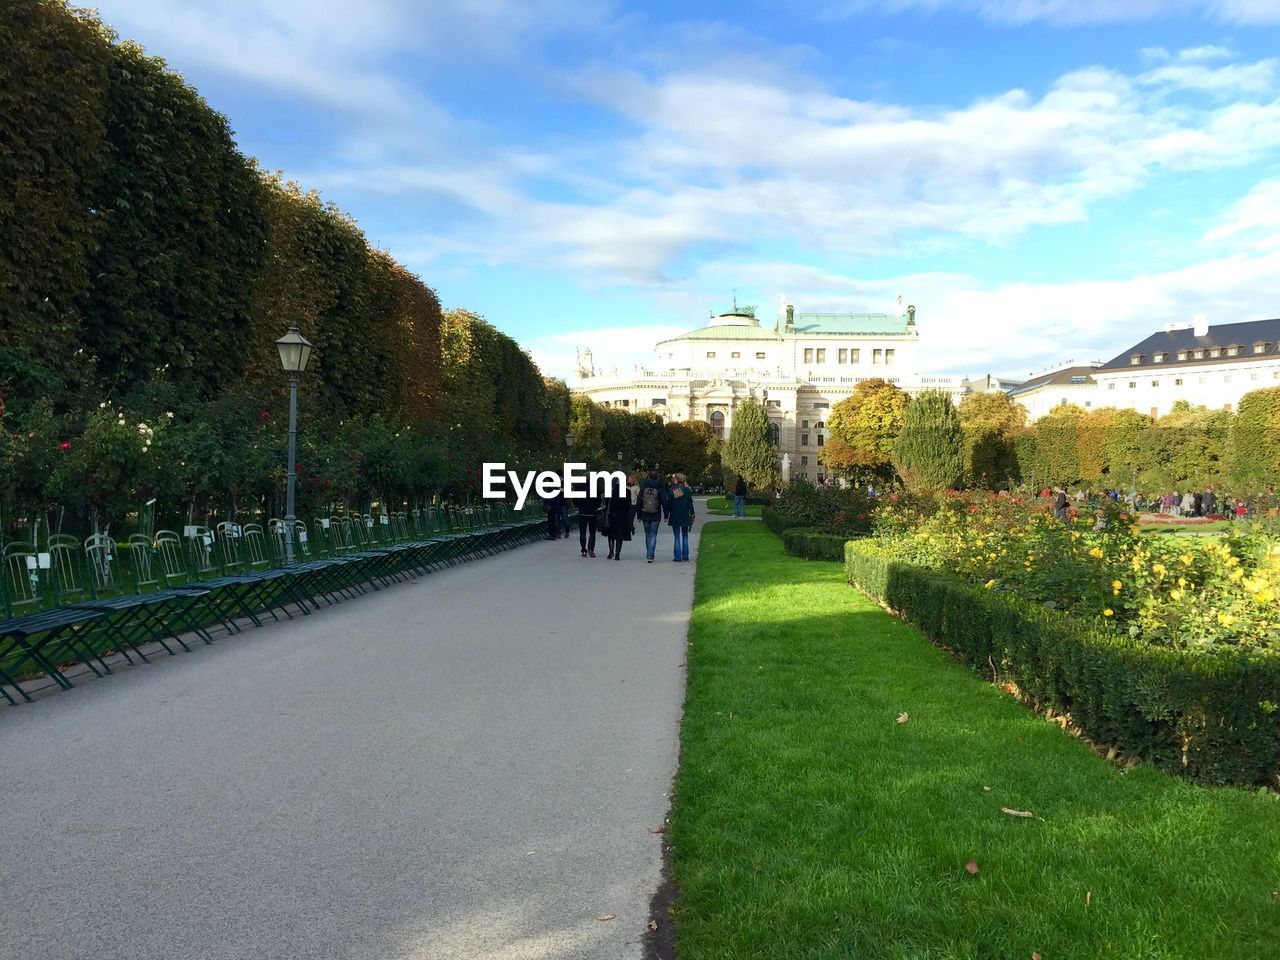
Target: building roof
1066	377
748	331
851	323
1222	335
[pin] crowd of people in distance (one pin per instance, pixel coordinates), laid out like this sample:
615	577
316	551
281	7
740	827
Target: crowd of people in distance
654	501
1210	503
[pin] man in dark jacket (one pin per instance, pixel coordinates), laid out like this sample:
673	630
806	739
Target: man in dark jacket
740	499
651	504
588	514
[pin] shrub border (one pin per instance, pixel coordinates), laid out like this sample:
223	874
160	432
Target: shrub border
813	543
1200	715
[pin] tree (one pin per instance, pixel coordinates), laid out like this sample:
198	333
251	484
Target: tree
863	428
929	453
990	421
1122	440
1090	442
1254	445
691	447
749	452
1057	451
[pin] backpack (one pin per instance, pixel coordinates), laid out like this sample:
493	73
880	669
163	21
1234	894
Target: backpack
649	501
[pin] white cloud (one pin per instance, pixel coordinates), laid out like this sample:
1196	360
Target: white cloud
1066	12
1254	220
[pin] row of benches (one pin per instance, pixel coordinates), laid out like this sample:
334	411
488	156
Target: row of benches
76	602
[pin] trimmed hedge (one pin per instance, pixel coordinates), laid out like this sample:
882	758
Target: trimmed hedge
774	520
810	543
1212	717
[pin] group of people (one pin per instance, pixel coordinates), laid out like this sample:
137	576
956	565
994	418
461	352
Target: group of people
1173	503
614	515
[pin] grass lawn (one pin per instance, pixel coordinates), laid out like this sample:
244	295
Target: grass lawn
723	507
809	823
1213	526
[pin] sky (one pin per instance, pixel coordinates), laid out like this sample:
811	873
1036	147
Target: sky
1045	180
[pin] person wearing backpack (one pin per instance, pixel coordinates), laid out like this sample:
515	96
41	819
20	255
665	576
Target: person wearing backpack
650	507
680	515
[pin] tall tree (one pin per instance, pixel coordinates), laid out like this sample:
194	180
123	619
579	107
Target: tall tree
864	427
750	452
1254	457
929	453
990	421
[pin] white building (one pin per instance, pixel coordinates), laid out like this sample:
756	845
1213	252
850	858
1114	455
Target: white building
1207	366
798	368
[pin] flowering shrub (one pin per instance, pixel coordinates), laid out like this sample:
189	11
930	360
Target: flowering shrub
1182	593
826	509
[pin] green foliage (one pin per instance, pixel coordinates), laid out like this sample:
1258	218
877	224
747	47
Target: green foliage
929	453
53	87
1123	446
991	422
690	446
1054	457
1254	445
1204	715
809	543
864	427
750	452
847	512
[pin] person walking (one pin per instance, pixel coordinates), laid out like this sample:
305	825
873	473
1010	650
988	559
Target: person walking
681	516
650	508
588	516
740	499
617	517
1060	503
552	506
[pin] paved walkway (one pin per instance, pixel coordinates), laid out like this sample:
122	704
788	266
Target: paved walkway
465	766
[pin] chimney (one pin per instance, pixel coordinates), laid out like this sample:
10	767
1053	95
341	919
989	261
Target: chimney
1201	325
791	318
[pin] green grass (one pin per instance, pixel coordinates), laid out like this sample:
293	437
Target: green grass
1213	526
808	823
723	507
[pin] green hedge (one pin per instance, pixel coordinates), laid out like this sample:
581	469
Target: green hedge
774	520
809	543
1211	717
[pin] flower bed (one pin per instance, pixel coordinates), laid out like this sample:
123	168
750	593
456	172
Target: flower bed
1210	714
1169	519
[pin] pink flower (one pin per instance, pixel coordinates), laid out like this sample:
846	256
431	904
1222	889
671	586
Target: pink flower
65	445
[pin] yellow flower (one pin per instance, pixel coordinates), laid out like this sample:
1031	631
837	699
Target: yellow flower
1116	585
1233	561
989	584
1186	559
1096	552
1175	594
1160	569
1182	581
1264	596
1226	619
1108	612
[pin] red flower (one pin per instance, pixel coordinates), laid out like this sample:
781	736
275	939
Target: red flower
359	469
65	445
262	414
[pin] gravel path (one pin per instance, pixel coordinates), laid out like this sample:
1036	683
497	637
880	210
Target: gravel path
465	766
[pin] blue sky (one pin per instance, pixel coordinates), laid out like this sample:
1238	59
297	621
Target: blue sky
1044	179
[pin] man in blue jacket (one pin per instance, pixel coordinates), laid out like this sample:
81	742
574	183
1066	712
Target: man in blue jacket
651	504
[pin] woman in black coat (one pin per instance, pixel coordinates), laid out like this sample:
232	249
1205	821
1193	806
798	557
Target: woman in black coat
616	519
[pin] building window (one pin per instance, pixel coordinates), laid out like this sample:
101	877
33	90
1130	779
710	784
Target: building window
819	439
855	356
876	354
1260	346
717	424
1178	382
711	354
760	356
819	425
1233	351
844	356
1182	354
1159	357
1133	384
821	405
1111	386
774	433
822	355
1254	375
658	402
1079	379
1197	354
735	355
1135	360
804	461
624	403
775	404
1155	383
808	354
804	439
1214	353
888	355
1227	378
1088	403
804	424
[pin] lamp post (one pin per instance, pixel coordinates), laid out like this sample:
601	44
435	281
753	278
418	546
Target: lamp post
619	459
568	441
295	352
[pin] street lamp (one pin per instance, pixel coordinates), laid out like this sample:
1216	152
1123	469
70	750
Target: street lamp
295	352
568	441
619	459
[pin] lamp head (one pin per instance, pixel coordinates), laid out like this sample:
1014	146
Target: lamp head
295	351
